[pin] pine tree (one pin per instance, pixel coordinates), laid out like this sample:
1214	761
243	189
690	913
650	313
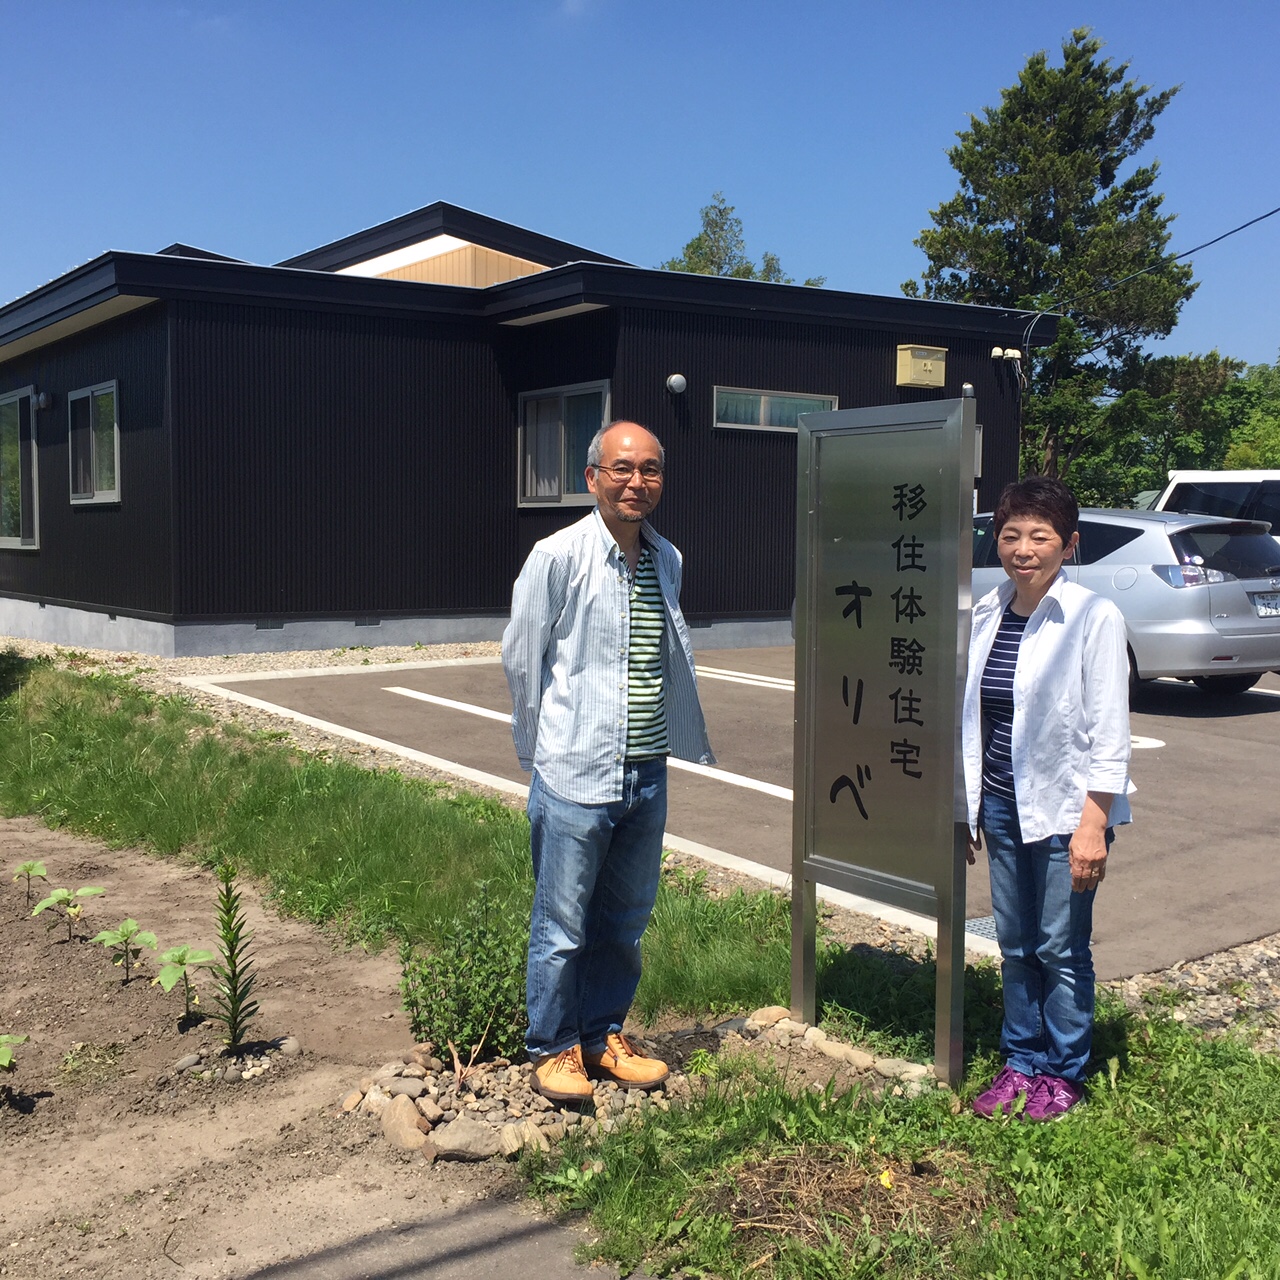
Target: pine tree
1051	216
719	249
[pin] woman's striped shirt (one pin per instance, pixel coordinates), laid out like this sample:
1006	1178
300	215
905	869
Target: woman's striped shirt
997	705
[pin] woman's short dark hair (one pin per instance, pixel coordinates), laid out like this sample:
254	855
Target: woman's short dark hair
1043	498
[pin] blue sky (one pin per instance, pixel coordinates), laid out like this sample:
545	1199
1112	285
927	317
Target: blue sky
262	129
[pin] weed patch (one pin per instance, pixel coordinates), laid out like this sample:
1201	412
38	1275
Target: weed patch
91	1064
1171	1168
811	1198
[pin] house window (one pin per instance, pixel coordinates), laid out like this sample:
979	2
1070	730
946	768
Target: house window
95	444
17	470
556	426
745	410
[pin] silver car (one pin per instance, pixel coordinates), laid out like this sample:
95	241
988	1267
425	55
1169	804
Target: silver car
1200	594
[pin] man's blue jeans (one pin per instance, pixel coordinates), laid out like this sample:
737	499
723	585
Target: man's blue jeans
1043	928
596	871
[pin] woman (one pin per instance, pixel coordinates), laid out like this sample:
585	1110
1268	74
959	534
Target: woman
1046	754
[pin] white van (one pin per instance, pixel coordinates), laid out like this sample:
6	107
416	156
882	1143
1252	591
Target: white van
1244	495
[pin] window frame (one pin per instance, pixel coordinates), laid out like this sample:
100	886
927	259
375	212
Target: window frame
756	391
560	498
107	496
16	396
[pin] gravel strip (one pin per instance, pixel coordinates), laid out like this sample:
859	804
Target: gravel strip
1238	987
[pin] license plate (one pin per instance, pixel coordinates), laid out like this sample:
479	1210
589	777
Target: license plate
1268	604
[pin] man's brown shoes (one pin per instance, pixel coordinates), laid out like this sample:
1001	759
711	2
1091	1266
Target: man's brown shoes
621	1063
561	1077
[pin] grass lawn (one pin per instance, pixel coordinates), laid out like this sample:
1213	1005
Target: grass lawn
1172	1169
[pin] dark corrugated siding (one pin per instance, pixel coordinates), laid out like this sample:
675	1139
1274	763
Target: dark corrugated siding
329	464
730	499
113	557
332	464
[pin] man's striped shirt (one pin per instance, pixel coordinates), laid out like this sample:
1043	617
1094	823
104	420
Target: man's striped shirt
646	709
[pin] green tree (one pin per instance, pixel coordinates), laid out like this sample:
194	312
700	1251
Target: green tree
719	249
1172	412
1052	216
1251	407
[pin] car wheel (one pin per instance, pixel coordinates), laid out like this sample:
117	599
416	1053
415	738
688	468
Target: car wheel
1226	686
1136	682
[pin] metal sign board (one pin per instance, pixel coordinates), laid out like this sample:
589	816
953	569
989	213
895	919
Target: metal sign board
884	549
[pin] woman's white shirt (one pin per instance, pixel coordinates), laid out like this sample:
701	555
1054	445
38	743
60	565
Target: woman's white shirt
1071	709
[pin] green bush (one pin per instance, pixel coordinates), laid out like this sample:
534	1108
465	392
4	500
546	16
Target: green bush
469	987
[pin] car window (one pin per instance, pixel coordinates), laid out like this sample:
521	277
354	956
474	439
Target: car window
985	555
1245	555
1212	497
1267	505
1099	538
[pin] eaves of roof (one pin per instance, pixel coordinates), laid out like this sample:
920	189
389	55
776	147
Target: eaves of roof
599	284
444	219
116	282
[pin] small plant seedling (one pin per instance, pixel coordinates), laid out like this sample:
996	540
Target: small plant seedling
30	869
68	904
7	1045
177	964
235	974
127	940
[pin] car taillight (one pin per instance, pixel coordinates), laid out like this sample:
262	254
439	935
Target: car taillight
1190	575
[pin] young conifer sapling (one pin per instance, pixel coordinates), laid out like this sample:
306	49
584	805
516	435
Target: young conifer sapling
235	976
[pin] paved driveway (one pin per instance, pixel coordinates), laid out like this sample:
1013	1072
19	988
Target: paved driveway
1196	872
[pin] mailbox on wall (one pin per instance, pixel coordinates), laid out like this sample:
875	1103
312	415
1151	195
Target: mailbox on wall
922	366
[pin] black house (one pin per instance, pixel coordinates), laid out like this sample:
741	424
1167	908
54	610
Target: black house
360	444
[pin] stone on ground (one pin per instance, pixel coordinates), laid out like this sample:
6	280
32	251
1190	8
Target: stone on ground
768	1016
400	1124
466	1139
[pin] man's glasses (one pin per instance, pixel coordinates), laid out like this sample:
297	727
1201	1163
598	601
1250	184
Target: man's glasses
650	472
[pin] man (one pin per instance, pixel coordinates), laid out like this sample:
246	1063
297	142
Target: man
598	659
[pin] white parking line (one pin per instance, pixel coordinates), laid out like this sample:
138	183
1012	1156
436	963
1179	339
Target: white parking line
364	669
706	771
479	776
748	677
435	699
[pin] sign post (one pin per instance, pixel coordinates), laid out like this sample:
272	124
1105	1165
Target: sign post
884	551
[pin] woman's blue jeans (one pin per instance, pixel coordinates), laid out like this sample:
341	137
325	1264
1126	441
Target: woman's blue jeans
596	873
1043	928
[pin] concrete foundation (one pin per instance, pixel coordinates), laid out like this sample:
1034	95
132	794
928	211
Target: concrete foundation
88	629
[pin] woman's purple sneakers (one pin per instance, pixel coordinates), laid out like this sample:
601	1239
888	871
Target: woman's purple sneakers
1002	1092
1049	1097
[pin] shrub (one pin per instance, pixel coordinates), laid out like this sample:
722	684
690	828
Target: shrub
469	987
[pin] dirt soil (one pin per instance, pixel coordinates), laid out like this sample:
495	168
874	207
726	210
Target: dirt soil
115	1166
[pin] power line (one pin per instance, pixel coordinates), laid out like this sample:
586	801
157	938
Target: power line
1155	266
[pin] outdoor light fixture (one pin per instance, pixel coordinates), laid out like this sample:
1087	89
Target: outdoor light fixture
676	384
42	400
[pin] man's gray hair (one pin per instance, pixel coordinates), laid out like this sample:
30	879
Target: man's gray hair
595	450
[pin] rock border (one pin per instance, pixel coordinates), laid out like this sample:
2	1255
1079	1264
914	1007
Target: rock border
494	1112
